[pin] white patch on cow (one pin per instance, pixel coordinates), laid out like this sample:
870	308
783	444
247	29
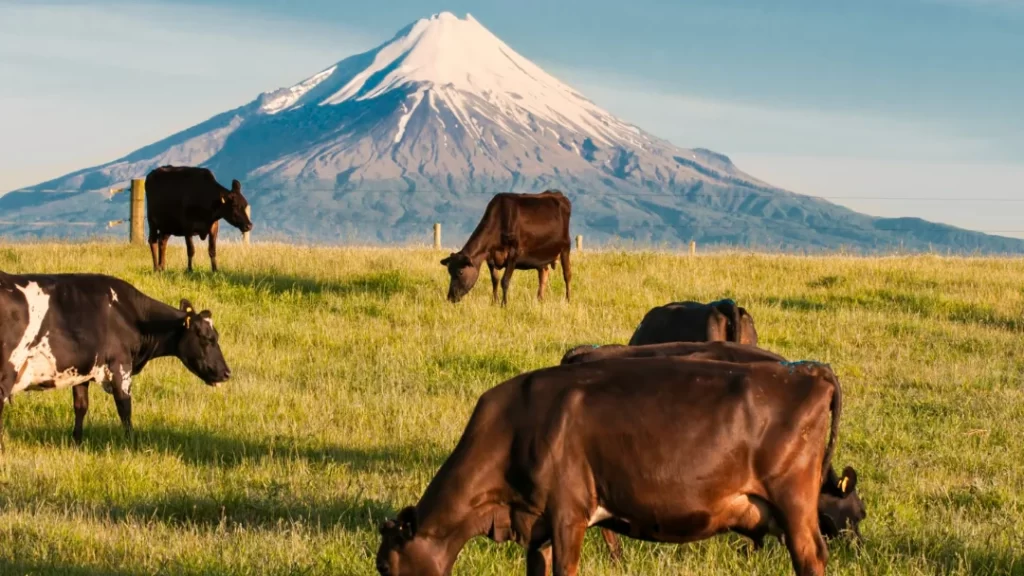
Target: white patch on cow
599	515
126	381
39	371
209	321
38	304
113	296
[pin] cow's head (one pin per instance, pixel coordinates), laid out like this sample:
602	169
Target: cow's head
839	506
198	347
463	275
401	553
233	206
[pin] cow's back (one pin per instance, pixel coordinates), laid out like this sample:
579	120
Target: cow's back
681	322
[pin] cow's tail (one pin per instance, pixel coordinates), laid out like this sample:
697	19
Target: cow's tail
837	410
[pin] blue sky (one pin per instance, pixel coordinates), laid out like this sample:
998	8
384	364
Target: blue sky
866	102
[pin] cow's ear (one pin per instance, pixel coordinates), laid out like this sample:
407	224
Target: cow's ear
206	314
848	483
236	186
186	306
407	522
446	261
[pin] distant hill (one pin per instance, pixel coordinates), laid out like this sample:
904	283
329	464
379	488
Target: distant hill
429	125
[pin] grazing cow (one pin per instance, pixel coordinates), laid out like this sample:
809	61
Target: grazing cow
187	201
67	330
839	506
517	232
721	321
660	449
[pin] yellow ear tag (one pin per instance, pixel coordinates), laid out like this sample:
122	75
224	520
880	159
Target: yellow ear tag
222	200
843	483
188	322
188	309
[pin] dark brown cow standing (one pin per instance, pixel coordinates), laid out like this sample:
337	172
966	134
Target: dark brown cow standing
187	201
721	321
839	506
517	232
659	449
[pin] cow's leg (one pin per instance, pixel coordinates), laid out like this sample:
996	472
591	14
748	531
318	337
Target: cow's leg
538	561
566	271
506	279
80	394
494	281
806	546
163	250
213	245
122	389
190	249
542	281
614	545
154	243
567	544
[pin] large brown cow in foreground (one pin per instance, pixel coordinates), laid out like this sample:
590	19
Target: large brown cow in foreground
659	449
186	201
721	321
517	232
839	506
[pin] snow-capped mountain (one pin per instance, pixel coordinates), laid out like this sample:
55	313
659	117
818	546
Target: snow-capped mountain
430	124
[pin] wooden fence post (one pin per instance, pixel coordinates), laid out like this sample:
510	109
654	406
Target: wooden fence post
245	235
579	242
437	235
693	247
137	235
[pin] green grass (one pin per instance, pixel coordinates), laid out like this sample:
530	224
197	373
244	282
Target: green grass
353	379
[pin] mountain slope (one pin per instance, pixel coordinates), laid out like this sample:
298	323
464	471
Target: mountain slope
427	126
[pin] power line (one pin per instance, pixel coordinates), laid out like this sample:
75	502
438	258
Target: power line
583	194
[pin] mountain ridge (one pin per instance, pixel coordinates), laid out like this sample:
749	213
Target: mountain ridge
430	124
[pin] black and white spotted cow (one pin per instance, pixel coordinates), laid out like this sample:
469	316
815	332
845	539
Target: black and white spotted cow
67	330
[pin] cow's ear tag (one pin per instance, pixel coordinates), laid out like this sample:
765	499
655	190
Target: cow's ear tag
188	322
222	200
843	483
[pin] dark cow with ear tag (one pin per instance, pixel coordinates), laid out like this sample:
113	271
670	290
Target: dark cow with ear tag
67	330
517	232
840	508
720	321
187	201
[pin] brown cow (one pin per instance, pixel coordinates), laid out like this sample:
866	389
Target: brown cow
839	506
187	201
517	232
721	321
659	449
722	351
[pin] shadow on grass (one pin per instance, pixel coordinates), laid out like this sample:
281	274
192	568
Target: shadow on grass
202	447
383	284
63	568
902	302
948	555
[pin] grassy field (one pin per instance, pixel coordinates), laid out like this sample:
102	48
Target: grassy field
353	379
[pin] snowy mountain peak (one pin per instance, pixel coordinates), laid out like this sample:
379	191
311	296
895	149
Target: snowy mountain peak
458	60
